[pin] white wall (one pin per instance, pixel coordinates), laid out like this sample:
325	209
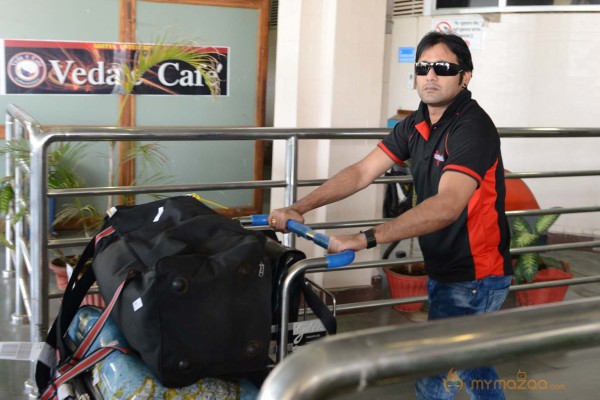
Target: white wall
535	70
329	73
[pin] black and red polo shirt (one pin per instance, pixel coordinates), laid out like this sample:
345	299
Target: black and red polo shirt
465	140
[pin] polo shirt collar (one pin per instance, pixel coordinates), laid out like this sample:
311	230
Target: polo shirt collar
422	122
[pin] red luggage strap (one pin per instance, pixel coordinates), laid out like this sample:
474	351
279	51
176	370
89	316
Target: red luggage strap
78	362
81	366
89	338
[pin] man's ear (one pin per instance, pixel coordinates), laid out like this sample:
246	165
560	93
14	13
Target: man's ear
465	78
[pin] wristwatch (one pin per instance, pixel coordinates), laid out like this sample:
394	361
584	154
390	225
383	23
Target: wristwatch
370	236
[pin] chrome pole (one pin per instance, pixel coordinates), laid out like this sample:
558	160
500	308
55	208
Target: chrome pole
291	181
19	317
356	360
39	221
8	271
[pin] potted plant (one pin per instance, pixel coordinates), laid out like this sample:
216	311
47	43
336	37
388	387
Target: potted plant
533	267
408	280
62	162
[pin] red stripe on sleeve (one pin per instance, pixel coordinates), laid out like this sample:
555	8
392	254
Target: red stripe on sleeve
389	153
465	170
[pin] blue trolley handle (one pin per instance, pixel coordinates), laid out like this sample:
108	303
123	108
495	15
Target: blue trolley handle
333	260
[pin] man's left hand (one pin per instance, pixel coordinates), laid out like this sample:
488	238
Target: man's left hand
354	241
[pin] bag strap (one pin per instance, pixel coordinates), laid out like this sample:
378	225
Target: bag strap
80	282
83	365
78	362
55	350
319	308
54	347
90	337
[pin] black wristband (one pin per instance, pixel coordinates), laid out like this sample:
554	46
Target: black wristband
370	236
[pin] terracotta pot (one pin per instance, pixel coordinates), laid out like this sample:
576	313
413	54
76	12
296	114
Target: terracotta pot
60	272
546	295
59	267
403	285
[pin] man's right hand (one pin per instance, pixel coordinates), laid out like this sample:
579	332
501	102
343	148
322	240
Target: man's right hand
278	218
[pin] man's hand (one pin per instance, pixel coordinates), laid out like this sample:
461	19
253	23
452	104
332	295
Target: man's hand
354	241
279	217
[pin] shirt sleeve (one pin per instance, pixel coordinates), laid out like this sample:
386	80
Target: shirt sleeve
395	144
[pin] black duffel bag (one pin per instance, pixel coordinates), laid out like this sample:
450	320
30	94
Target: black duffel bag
196	299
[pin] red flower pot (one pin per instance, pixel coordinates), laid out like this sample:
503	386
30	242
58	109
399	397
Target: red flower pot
546	295
403	285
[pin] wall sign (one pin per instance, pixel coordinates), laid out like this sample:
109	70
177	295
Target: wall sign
470	28
51	67
406	55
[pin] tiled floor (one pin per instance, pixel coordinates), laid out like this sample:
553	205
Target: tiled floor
574	374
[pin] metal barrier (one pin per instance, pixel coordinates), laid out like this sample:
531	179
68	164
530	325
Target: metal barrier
34	292
356	360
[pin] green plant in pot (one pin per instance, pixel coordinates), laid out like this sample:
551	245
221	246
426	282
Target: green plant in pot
533	267
62	166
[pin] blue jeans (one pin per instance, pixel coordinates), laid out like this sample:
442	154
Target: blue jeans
456	299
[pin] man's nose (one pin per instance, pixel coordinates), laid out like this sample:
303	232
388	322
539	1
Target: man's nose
431	74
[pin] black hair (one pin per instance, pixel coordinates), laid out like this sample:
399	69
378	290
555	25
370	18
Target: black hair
454	42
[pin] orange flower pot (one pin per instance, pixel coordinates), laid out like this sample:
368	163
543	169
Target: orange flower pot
403	285
546	295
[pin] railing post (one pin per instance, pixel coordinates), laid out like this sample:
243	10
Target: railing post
39	221
20	316
291	180
8	271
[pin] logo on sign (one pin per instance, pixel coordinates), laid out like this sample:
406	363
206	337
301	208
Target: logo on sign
27	70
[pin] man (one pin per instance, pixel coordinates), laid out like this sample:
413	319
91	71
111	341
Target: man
459	179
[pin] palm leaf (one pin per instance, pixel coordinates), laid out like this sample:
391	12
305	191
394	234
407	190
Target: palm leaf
150	154
7	195
85	215
149	56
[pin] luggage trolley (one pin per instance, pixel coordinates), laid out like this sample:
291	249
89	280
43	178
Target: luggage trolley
302	332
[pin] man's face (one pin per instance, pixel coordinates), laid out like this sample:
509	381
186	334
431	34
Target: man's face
439	91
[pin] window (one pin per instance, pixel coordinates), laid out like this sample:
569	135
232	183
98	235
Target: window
482	6
549	2
466	3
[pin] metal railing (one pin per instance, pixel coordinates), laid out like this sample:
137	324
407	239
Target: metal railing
356	361
30	266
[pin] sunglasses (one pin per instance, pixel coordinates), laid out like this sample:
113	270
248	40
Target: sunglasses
440	68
